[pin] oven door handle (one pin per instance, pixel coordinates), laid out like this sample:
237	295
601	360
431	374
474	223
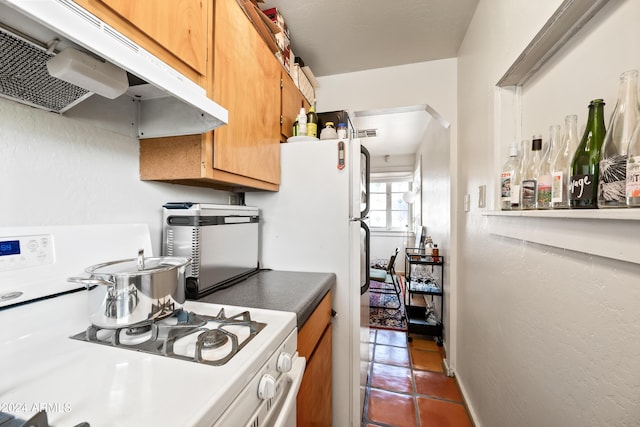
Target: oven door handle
288	407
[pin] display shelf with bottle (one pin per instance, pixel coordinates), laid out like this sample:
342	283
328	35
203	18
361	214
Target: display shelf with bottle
508	171
518	173
613	160
561	166
539	88
424	273
543	192
583	186
529	185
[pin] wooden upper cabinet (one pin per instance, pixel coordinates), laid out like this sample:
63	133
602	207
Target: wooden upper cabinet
292	100
176	31
246	81
243	77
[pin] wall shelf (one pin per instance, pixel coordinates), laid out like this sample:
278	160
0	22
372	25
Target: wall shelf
609	233
612	214
568	19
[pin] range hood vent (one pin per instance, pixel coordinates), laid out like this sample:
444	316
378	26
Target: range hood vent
168	103
24	76
367	133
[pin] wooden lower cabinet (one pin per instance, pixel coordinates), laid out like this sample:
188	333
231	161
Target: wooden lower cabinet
315	344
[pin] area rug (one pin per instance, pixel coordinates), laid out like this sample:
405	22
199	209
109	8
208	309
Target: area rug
387	318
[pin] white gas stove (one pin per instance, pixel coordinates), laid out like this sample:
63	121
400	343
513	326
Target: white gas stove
174	372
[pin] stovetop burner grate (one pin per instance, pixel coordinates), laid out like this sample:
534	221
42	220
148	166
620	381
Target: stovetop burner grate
162	337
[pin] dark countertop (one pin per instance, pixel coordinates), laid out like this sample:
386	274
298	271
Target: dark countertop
299	292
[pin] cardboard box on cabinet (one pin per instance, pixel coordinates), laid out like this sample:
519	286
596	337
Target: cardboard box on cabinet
277	18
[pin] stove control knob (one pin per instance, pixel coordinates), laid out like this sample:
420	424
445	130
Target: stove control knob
267	387
284	363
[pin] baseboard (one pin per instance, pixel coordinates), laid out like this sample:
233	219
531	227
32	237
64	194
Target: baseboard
465	396
447	369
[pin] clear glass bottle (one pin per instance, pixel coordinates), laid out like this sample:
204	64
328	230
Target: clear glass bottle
508	170
583	188
561	167
530	178
543	192
613	159
633	171
518	173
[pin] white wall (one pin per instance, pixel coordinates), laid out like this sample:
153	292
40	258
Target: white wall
546	336
384	244
432	83
434	153
59	171
402	163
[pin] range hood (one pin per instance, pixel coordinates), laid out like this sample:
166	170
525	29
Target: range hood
33	31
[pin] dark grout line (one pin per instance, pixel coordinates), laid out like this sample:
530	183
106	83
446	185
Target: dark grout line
414	394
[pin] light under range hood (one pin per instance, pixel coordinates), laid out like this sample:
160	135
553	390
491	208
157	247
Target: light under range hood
32	31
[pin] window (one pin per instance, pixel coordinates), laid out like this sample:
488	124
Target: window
388	210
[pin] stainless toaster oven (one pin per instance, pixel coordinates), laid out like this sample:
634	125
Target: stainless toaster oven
221	240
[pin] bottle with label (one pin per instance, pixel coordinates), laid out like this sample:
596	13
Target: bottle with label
518	173
529	184
302	122
508	170
543	192
561	167
312	122
342	131
613	160
583	187
633	170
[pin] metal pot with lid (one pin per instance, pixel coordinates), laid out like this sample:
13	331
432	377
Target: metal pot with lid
126	292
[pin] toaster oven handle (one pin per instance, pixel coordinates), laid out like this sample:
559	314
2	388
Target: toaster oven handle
175	205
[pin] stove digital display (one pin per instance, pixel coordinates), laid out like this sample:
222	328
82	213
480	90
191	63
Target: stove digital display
10	247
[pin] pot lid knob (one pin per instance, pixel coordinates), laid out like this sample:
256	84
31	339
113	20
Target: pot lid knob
140	259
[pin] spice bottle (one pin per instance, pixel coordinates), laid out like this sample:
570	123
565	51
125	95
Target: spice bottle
342	131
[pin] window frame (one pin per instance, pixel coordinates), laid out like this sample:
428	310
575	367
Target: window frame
388	181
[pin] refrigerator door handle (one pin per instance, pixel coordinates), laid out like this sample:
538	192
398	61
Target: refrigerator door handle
367	241
367	180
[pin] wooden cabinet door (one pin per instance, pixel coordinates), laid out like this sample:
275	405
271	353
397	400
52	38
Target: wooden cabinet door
180	26
314	396
246	81
292	100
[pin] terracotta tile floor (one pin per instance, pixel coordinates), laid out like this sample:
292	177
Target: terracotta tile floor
407	386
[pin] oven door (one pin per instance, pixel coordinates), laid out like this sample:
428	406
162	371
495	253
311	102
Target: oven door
267	401
285	411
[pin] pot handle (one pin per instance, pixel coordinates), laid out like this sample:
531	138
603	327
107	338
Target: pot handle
90	282
140	259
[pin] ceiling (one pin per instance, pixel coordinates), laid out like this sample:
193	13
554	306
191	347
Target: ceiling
341	36
398	130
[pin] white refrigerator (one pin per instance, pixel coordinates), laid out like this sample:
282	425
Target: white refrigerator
315	223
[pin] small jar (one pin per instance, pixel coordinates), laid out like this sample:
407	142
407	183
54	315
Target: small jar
342	131
329	131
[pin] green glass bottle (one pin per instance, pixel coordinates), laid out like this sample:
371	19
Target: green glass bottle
583	186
